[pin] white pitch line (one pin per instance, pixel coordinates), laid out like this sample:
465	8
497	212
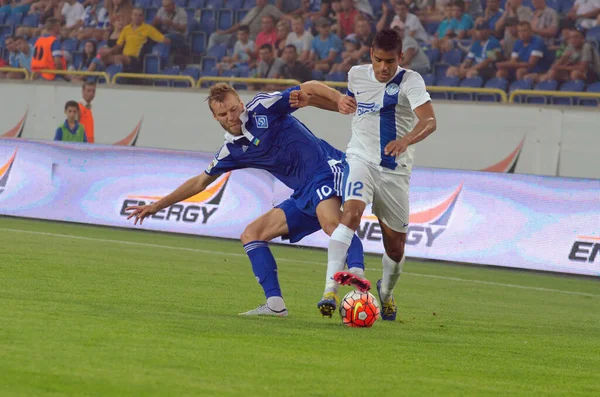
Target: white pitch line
172	247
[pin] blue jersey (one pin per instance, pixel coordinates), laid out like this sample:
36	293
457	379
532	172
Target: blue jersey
275	141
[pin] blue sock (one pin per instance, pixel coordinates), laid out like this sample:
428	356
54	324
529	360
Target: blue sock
264	267
356	255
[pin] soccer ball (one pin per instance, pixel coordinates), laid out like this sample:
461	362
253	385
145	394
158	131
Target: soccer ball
359	309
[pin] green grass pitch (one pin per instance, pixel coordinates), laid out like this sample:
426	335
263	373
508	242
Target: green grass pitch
88	311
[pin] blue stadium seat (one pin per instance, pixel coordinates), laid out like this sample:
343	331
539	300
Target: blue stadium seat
3	17
318	75
452	57
189	71
433	54
234	4
432	27
225	20
198	42
248	4
440	70
229	73
243	71
218	51
111	70
214	4
565	6
14	19
171	71
196	4
593	34
472	82
181	3
445	82
209	73
163	51
569	86
150	14
549	85
192	24
7	30
208	21
337	76
496	83
77	59
522	84
208	64
429	79
152	64
595	87
70	45
155	3
31	21
142	3
554	4
240	15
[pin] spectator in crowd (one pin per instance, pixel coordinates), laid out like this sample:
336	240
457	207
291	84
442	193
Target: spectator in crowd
365	36
269	67
13	57
300	38
293	69
268	34
17	7
283	30
44	9
417	7
119	9
70	15
484	52
25	53
474	8
133	37
544	22
171	21
365	8
326	47
585	12
436	12
90	52
491	16
510	35
289	7
345	19
461	23
315	9
559	47
414	57
441	38
528	56
71	130
580	61
48	53
349	55
409	22
243	51
253	20
86	118
513	9
93	22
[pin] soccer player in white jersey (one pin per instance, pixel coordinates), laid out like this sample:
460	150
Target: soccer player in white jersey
384	99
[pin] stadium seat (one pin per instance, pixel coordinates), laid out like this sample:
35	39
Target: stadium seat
593	34
472	82
549	85
433	54
432	27
243	71
142	3
207	21
208	64
3	17
77	59
218	51
496	83
565	6
214	4
170	71
152	64
209	73
70	45
155	3
595	87
163	51
445	82
522	84
240	15
248	4
429	79
337	76
440	69
554	4
569	86
318	75
452	57
181	3
196	4
192	24
189	71
31	21
14	19
225	19
229	73
6	30
198	42
111	70
150	14
234	4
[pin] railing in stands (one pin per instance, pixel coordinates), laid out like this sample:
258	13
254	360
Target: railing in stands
154	77
15	70
557	94
103	75
247	80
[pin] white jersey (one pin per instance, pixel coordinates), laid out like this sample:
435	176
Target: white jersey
385	112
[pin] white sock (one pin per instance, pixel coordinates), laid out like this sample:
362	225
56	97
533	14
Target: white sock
391	273
276	303
336	254
357	271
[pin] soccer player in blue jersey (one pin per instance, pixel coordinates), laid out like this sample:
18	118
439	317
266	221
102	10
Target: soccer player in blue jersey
263	134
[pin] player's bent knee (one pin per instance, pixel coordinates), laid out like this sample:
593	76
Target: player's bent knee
250	233
395	254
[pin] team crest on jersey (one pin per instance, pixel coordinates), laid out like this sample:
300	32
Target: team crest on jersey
261	121
392	89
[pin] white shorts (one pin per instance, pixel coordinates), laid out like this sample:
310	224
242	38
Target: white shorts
387	191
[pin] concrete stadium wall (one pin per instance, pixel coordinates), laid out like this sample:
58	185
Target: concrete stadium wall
471	136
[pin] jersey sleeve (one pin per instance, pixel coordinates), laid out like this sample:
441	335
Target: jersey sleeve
273	102
538	48
222	163
415	91
350	91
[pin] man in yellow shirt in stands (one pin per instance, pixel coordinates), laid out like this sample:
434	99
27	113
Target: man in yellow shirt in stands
130	45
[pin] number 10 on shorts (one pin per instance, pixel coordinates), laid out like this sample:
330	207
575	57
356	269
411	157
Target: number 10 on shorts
324	191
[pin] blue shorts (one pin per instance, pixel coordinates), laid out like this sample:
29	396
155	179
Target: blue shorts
301	208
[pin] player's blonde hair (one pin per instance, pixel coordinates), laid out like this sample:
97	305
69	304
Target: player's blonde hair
218	93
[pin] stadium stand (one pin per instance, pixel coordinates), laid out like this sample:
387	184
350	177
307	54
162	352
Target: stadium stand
556	26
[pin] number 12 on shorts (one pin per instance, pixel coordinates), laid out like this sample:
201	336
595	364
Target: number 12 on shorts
354	189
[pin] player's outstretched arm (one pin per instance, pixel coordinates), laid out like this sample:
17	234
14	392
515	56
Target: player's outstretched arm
426	125
188	189
345	103
300	99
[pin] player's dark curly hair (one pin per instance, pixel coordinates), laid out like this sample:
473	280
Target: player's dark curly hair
388	40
